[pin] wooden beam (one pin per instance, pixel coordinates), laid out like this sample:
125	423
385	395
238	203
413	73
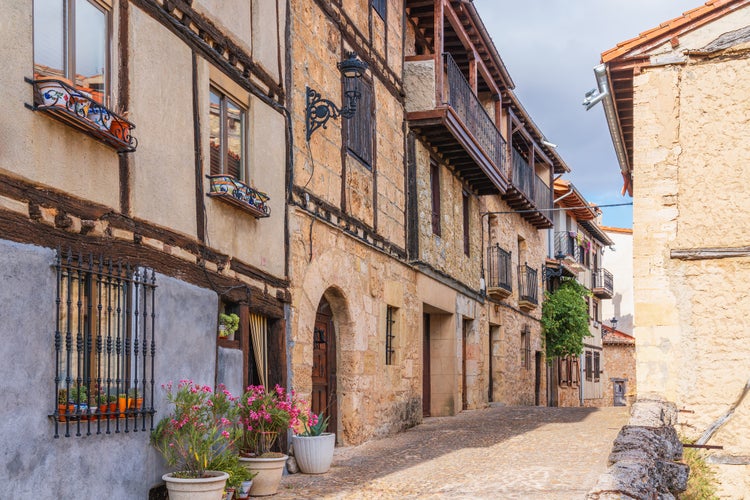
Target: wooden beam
439	31
709	253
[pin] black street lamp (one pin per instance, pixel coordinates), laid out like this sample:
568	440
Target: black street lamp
614	322
320	110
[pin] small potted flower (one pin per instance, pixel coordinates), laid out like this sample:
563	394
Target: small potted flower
228	324
313	447
198	435
263	416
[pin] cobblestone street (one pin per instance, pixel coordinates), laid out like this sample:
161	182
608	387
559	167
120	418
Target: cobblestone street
498	453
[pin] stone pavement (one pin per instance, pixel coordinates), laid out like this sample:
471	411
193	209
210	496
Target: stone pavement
497	453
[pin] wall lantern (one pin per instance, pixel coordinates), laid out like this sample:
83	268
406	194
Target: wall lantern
320	110
555	273
614	322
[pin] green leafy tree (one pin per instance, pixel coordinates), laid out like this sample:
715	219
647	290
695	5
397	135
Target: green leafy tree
565	319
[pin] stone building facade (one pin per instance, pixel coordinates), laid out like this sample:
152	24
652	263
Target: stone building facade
680	130
576	247
118	252
620	385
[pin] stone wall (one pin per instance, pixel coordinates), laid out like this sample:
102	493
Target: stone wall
690	183
644	462
619	362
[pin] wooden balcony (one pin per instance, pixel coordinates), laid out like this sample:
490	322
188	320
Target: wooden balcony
602	284
528	193
459	128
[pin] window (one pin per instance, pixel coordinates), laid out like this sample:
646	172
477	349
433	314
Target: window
563	371
71	42
595	312
435	192
103	346
589	366
227	136
467	242
390	335
379	6
359	129
526	347
596	366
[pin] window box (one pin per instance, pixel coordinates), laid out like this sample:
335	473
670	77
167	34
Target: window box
77	108
239	194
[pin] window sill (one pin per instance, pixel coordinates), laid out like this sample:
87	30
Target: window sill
238	194
229	344
65	103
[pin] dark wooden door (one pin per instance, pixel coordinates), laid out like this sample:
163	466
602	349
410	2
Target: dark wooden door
464	384
538	379
426	375
324	366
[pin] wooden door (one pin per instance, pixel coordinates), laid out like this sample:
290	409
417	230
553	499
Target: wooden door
426	375
464	384
324	366
538	379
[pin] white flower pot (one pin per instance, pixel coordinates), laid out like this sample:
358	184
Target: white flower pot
202	488
314	454
269	475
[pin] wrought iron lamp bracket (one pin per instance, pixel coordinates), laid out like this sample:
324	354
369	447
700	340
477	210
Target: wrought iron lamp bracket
319	110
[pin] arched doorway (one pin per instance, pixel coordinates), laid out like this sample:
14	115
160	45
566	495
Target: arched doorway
324	365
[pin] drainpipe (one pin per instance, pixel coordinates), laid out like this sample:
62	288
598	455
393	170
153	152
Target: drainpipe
581	375
605	96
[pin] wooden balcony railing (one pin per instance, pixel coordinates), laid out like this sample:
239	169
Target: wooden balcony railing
531	185
467	106
528	287
499	272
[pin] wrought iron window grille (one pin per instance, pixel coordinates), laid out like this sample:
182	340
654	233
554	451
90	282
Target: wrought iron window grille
237	193
104	345
389	335
76	108
499	268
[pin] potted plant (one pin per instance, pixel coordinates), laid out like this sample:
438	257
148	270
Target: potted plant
64	408
79	398
263	416
228	324
198	435
313	447
135	399
103	402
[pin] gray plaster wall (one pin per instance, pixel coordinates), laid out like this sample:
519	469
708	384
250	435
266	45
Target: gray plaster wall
115	466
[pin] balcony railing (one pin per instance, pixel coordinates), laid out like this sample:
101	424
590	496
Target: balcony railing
602	283
499	272
530	184
567	245
78	109
239	194
467	106
528	288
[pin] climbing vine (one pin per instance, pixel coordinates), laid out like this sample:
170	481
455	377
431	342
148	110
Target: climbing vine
565	319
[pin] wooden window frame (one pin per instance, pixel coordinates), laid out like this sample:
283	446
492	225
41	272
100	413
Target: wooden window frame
223	167
381	7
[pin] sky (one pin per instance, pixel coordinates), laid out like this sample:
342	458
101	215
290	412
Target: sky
550	48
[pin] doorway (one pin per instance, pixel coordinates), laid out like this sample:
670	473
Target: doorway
426	372
324	366
538	379
465	327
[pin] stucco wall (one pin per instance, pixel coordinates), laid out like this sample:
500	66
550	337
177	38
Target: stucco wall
619	261
690	134
119	466
36	146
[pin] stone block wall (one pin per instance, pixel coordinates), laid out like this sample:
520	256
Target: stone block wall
690	184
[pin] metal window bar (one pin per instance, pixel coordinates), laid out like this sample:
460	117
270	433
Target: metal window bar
104	346
469	108
589	367
499	268
389	336
527	284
